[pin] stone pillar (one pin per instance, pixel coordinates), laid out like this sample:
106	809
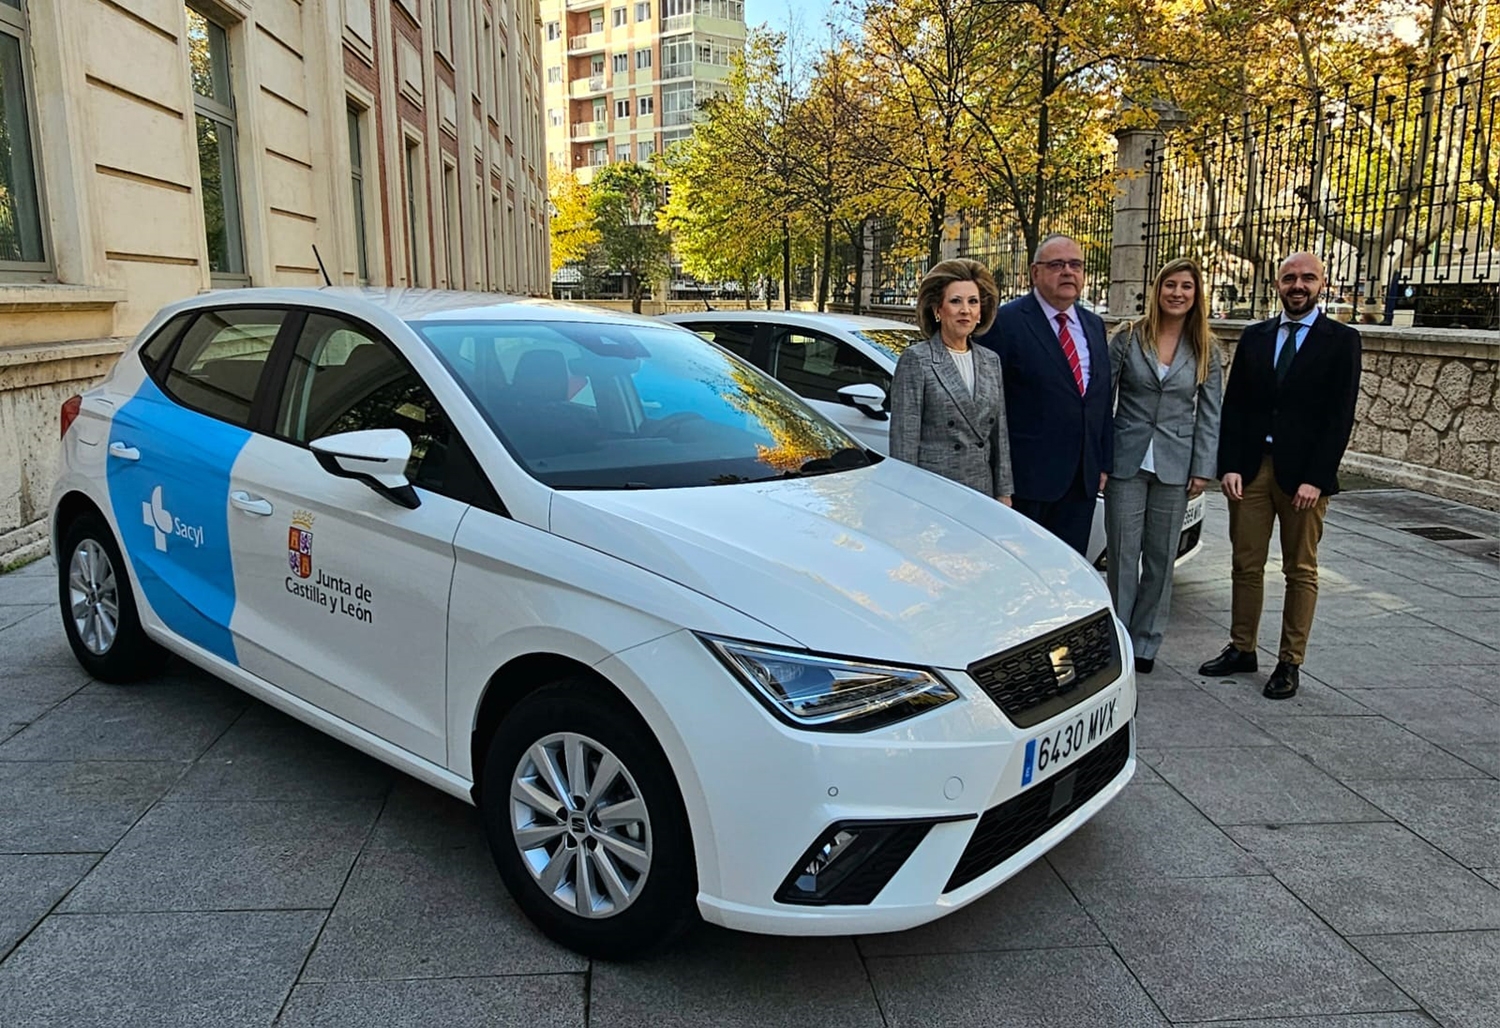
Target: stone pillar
867	261
1128	249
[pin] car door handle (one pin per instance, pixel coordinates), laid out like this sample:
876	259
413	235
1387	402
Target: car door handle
124	452
251	504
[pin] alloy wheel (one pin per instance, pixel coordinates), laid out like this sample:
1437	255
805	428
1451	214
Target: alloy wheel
93	597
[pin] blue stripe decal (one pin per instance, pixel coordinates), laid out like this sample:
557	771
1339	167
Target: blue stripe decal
172	508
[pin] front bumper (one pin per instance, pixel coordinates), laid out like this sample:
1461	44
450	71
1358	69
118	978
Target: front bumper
759	793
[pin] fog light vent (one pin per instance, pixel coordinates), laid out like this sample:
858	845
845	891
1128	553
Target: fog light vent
851	862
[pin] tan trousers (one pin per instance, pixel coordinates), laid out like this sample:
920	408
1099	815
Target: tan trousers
1250	523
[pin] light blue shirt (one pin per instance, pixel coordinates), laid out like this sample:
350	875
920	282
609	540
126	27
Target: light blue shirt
1075	329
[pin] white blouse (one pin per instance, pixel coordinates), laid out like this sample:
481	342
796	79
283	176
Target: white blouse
965	362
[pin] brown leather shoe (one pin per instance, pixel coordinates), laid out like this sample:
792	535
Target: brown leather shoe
1230	662
1283	682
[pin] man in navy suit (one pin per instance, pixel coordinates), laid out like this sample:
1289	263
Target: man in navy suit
1288	413
1058	396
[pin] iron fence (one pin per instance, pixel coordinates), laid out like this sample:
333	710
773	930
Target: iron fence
1397	187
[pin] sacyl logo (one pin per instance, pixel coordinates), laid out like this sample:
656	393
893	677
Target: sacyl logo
162	523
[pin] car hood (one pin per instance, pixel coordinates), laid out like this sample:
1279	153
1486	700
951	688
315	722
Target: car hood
887	562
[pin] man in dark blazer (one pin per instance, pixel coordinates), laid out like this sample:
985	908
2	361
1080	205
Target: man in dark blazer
1057	395
1288	412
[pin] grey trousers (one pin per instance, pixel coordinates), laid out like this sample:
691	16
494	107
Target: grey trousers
1143	521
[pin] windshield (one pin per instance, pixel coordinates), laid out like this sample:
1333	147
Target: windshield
891	341
624	406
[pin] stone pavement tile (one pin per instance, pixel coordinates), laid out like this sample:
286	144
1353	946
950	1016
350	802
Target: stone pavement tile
1149	831
1486	758
1362	747
1490	874
1350	666
1145	767
146	722
536	1001
1373	878
1460	818
728	980
1452	974
268	755
1411	1020
1012	990
1034	910
28	590
155	970
42	684
31	885
425	901
1242	694
1480	626
36	640
18	714
229	856
1260	784
1483	680
1446	715
1179	717
1465	583
76	806
1219	948
10	615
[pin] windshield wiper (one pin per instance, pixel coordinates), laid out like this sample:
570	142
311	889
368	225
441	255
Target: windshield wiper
847	459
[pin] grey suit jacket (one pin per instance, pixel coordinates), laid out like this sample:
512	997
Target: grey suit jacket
1177	417
936	424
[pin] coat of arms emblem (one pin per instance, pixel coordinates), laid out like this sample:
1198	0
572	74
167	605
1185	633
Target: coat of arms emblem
299	544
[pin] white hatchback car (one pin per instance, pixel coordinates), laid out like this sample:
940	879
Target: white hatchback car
688	648
842	365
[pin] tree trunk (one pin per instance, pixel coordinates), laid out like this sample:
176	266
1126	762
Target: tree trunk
858	239
827	261
635	294
937	212
786	266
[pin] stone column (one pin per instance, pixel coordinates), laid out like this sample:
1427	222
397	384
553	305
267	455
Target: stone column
1128	248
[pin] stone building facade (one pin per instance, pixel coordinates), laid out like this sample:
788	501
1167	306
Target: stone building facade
156	149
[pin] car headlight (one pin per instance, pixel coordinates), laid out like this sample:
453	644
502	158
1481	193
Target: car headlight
829	694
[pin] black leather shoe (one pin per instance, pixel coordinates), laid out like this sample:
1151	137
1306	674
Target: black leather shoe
1144	665
1283	682
1230	662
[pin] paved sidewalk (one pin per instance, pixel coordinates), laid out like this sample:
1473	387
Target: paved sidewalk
177	854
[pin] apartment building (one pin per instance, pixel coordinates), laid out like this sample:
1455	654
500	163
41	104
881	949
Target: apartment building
152	149
623	77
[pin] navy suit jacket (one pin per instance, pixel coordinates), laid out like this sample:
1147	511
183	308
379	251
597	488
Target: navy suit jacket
1309	416
1053	431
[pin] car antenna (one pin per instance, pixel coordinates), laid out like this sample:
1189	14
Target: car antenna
324	270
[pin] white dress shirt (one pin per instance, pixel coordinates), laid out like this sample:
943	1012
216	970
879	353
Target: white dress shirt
965	361
1075	329
1148	462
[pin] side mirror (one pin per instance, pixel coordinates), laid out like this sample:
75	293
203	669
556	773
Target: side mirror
866	397
377	457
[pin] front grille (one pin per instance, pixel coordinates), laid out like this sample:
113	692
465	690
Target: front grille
1189	539
1005	830
1026	681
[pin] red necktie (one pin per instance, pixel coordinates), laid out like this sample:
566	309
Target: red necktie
1070	351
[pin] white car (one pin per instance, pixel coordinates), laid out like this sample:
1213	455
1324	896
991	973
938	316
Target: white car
689	649
842	365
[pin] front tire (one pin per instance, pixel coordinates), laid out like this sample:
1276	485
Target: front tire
586	823
98	606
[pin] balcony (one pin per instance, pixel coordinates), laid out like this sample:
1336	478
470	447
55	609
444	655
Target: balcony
677	23
591	86
583	5
586	130
586	43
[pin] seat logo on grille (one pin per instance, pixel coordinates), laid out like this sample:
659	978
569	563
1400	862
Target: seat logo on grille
1063	666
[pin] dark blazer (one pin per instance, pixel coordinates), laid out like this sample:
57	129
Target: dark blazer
936	424
1309	416
1053	430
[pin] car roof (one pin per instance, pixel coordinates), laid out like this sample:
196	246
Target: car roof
801	319
412	304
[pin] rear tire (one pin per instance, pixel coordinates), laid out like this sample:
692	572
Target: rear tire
586	822
98	605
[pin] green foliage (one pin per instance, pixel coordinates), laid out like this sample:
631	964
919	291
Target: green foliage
623	200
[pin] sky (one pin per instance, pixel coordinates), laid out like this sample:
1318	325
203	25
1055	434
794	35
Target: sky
777	13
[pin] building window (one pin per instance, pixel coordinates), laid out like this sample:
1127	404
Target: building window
620	62
678	104
442	26
643	12
622	152
554	31
644	149
21	246
554	73
676	57
218	171
645	105
415	249
451	232
357	183
555	117
619	16
622	108
643	58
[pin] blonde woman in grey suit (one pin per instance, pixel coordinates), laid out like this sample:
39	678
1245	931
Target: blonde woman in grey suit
1169	382
948	399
